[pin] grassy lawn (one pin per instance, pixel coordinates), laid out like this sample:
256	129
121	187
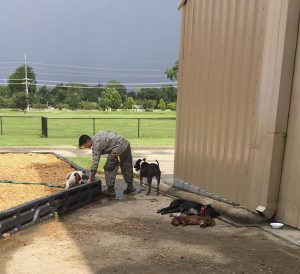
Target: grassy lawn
85	162
26	130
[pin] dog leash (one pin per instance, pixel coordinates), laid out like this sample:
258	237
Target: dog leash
29	183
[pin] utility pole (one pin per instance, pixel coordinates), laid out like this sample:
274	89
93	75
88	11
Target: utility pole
26	84
6	95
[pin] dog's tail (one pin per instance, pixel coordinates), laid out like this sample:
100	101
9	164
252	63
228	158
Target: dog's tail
157	162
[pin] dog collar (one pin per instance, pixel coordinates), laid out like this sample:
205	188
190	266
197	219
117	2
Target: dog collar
202	210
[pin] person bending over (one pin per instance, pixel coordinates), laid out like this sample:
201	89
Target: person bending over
119	154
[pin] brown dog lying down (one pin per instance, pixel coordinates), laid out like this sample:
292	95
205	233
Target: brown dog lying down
193	220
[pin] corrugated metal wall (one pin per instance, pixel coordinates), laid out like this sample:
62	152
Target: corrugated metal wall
220	68
289	202
236	64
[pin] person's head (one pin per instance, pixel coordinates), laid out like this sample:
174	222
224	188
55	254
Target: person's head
85	141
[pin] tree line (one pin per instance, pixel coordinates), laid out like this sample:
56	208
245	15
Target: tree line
112	95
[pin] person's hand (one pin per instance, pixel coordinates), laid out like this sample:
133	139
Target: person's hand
90	180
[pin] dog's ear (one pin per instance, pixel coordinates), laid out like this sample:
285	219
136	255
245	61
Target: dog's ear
77	177
144	159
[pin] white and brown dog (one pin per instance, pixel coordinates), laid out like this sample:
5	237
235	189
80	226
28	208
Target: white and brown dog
76	178
149	171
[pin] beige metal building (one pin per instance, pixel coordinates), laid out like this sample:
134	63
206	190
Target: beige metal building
238	113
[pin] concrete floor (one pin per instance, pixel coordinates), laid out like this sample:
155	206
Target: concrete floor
128	236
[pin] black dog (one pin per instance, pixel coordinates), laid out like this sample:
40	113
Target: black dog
149	171
184	206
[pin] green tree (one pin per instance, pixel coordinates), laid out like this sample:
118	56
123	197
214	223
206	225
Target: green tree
110	98
150	94
88	105
61	106
172	73
162	104
172	106
169	93
148	105
20	100
59	94
44	95
72	100
129	103
16	82
6	102
121	89
3	91
91	94
132	94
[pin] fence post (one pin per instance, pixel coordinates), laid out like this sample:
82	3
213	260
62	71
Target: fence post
139	127
94	126
1	126
44	126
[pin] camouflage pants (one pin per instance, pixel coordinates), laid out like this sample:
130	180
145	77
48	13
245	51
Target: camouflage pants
124	160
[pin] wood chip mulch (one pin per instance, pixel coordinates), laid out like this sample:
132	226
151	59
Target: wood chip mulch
29	167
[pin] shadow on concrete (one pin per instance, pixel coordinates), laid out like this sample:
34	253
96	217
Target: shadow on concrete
128	236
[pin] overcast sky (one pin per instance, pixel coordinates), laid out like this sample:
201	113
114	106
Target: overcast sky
85	40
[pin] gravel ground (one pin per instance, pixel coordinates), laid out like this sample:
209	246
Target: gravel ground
128	236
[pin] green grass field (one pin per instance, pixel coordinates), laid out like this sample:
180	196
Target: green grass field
26	130
85	162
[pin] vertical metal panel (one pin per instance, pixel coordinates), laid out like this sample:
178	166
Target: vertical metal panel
220	67
235	79
259	185
273	104
289	202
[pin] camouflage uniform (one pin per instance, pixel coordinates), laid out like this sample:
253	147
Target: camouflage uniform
119	154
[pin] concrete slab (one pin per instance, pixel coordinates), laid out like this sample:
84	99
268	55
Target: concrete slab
128	236
233	214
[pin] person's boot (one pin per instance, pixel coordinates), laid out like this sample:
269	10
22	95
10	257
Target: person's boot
109	192
129	189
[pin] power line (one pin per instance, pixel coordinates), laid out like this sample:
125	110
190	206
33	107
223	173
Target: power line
89	74
11	63
113	84
88	83
103	59
114	69
5	84
7	67
93	73
86	74
139	85
23	79
95	87
104	76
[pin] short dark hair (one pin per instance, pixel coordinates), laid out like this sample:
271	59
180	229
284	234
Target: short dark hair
83	139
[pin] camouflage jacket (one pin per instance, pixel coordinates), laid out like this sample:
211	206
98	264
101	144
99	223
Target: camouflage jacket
106	142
